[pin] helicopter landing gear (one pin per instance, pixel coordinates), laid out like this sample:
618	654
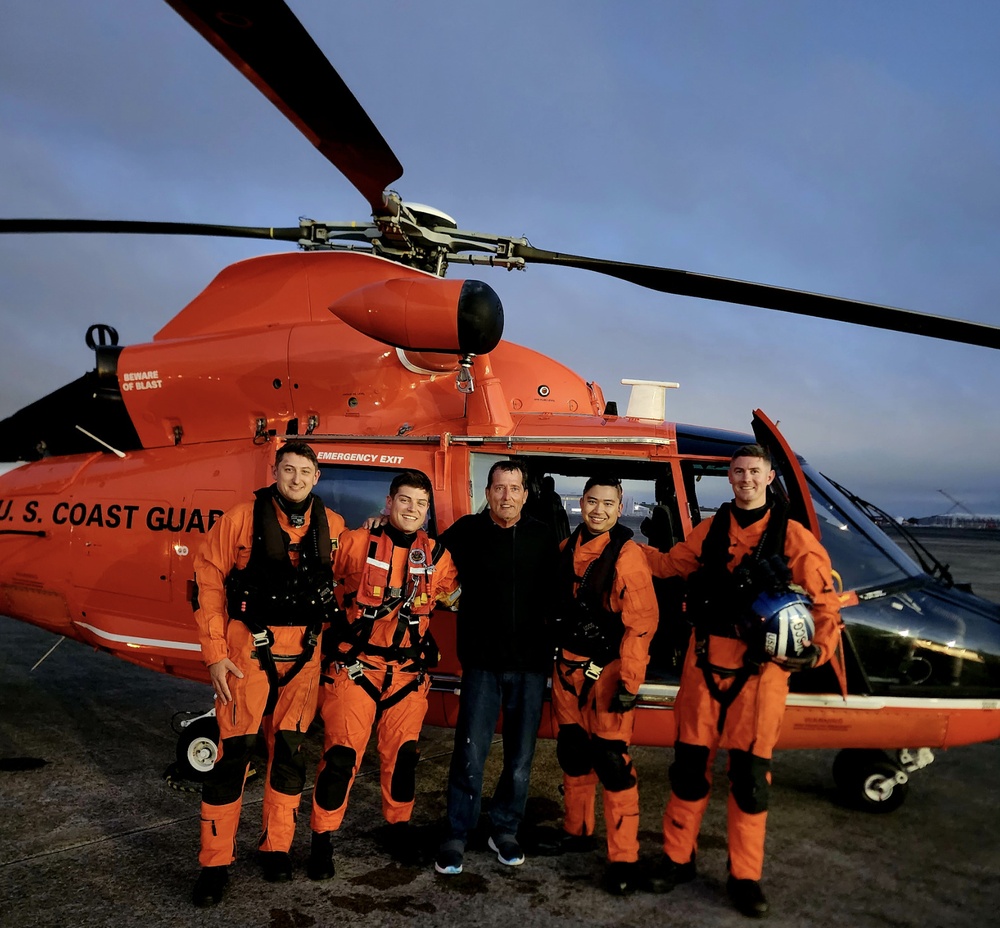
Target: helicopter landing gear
198	746
872	781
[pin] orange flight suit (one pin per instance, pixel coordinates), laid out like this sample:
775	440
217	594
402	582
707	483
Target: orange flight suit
593	742
753	720
350	710
225	548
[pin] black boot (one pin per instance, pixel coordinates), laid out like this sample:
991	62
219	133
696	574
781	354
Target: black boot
622	878
277	866
402	843
320	866
554	842
210	886
748	897
667	874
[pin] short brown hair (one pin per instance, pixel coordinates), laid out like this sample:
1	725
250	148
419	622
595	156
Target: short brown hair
752	451
296	447
410	478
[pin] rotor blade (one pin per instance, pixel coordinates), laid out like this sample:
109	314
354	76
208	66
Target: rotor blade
723	289
264	41
290	234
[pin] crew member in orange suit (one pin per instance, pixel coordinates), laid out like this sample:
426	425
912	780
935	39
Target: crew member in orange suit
375	668
731	695
265	588
606	625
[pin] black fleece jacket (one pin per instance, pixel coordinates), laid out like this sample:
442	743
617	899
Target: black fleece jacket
508	577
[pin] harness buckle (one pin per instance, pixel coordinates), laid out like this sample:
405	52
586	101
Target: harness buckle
592	671
356	670
262	639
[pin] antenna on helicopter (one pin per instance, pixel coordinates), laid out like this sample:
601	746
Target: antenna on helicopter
648	399
80	428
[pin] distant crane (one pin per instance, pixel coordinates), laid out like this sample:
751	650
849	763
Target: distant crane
957	502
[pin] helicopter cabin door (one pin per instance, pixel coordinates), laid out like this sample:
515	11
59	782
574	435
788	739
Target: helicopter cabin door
799	499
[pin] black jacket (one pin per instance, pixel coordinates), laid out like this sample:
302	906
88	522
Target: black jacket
508	577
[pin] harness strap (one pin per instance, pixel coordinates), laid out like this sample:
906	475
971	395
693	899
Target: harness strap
590	626
357	635
725	698
591	674
356	672
263	641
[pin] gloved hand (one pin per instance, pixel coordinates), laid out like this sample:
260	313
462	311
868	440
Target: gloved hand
804	661
623	700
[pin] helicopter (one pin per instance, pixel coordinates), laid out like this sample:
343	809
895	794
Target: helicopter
358	344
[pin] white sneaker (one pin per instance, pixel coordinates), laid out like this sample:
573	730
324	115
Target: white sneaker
508	850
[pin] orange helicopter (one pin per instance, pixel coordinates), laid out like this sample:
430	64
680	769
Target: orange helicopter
359	345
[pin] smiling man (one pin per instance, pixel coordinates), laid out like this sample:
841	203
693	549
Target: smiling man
732	695
506	561
375	665
608	618
265	590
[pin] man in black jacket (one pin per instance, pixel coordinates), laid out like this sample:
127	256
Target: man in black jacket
506	563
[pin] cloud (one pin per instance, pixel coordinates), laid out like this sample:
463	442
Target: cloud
840	148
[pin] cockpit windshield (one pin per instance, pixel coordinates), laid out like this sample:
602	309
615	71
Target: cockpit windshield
862	554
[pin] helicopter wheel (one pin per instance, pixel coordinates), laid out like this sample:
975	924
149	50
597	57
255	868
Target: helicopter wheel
197	749
869	780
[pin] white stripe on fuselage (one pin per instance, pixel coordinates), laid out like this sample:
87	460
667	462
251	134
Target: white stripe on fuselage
668	693
141	642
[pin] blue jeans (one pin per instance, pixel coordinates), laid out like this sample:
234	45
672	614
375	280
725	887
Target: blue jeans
484	695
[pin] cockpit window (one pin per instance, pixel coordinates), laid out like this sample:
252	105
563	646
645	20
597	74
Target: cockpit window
707	484
862	555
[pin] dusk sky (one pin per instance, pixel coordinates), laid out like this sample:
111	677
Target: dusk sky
850	148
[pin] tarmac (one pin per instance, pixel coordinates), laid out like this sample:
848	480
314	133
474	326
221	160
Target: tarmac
92	834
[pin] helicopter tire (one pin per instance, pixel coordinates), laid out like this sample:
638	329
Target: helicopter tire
197	749
866	780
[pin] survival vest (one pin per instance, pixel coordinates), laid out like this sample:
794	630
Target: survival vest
587	626
270	591
409	652
719	601
376	595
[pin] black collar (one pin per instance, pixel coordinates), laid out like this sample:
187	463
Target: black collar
399	538
747	517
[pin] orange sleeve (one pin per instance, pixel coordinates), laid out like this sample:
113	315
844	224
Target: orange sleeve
337	527
682	559
811	569
445	576
349	562
227	545
633	593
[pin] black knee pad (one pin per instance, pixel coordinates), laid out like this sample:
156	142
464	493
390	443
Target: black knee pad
573	751
748	781
610	765
689	772
403	786
331	785
288	769
224	783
